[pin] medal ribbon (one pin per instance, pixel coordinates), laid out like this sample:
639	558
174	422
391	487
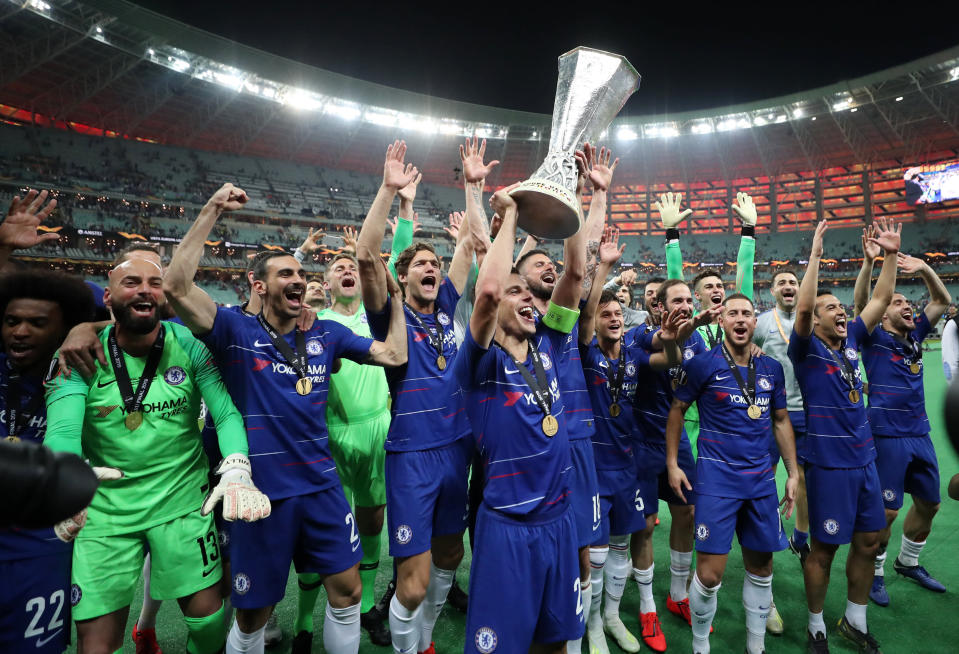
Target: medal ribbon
435	340
17	419
298	360
539	385
713	338
782	332
847	371
748	388
912	347
133	402
616	387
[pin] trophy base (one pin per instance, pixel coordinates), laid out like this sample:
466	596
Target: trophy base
546	209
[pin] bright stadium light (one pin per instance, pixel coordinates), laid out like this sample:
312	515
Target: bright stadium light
302	99
954	73
39	5
854	110
732	122
178	65
381	118
798	112
702	127
625	133
345	110
151	51
899	98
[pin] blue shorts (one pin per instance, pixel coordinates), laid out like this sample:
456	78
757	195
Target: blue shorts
621	506
653	480
316	532
798	421
907	465
426	496
35	604
541	601
584	492
843	501
755	521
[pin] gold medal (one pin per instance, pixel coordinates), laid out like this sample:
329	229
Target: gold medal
854	396
441	362
304	385
754	411
133	420
13	439
615	409
550	425
914	367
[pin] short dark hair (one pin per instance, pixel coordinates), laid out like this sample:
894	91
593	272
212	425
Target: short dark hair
819	293
654	280
70	293
261	259
738	296
343	255
403	261
784	271
709	272
134	247
664	288
608	296
534	251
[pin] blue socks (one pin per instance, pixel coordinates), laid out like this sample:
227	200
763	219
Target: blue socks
799	537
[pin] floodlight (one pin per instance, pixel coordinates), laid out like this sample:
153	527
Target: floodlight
625	133
899	99
302	99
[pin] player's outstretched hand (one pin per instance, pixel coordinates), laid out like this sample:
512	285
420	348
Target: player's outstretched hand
408	192
670	325
746	209
67	530
474	170
241	499
821	228
909	265
312	241
668	208
869	249
601	176
609	248
18	231
707	317
789	496
888	235
678	481
396	174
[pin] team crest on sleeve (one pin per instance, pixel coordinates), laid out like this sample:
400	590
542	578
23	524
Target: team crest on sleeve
630	368
702	532
851	354
485	640
831	526
241	583
764	384
547	362
404	534
889	495
75	595
174	375
443	318
688	353
314	347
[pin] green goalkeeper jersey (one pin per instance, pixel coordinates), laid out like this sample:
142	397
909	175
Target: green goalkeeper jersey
165	472
357	392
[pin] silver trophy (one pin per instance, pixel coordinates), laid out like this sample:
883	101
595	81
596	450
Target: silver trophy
591	89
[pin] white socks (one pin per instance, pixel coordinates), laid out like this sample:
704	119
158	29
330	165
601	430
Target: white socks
616	573
150	608
757	598
816	624
880	562
644	579
405	627
597	563
240	643
679	564
586	597
856	616
341	630
439	587
909	553
702	606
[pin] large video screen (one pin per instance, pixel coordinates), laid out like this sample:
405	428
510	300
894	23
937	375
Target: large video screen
932	183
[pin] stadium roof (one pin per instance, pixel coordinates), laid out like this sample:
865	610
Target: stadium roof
108	64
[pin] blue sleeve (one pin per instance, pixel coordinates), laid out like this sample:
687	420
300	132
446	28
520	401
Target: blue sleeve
695	377
346	343
798	348
923	327
640	355
472	363
447	297
779	386
379	321
857	329
643	337
223	333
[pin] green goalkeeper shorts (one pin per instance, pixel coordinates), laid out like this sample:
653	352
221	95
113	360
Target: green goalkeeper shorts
360	458
184	558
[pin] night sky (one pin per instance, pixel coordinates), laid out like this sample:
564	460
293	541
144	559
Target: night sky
504	54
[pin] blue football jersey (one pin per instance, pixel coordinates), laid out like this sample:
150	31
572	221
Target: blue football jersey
16	543
897	400
288	440
733	448
654	392
615	435
837	429
428	403
526	471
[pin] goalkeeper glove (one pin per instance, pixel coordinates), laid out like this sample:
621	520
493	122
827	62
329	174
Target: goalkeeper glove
67	530
241	499
746	209
668	208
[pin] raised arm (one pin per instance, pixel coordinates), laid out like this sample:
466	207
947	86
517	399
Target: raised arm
568	289
939	297
459	270
746	259
601	177
870	251
806	303
192	305
670	217
887	236
394	350
396	175
18	230
609	253
495	270
403	230
309	245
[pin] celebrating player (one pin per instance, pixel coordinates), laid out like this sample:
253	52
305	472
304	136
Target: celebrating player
742	399
842	484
